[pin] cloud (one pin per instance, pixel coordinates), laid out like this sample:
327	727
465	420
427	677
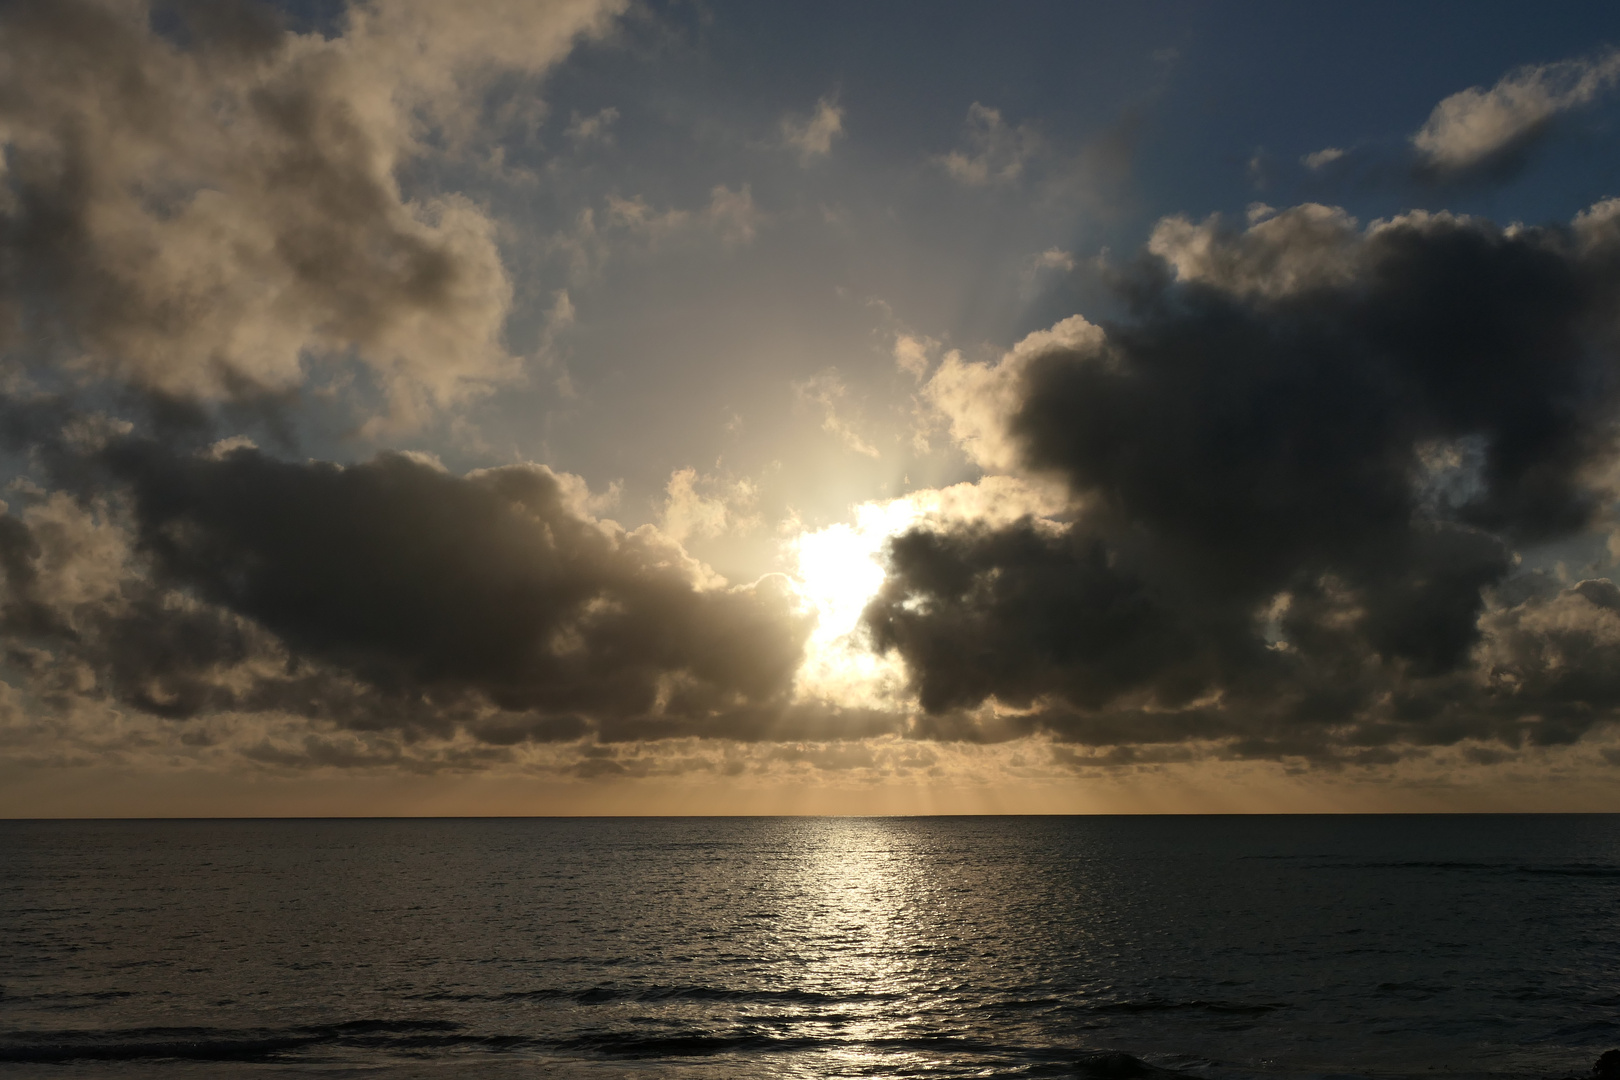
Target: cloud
1258	169
996	153
1557	646
826	391
385	596
1308	246
1320	159
978	400
708	506
913	354
595	128
219	217
1304	468
208	220
812	137
1052	259
1282	507
633	226
1478	128
733	215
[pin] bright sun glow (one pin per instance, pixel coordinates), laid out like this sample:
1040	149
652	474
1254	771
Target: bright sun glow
838	571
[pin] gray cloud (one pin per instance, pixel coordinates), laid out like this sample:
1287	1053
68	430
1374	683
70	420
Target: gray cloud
385	595
1306	464
206	219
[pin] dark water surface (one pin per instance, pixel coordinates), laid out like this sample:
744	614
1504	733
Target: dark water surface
794	947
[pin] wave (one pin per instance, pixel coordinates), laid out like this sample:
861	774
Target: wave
1413	990
756	1042
260	1045
692	1044
1158	1004
1574	869
64	999
221	1044
609	994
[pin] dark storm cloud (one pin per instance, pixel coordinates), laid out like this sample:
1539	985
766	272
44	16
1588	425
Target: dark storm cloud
1018	613
1306	458
402	571
392	594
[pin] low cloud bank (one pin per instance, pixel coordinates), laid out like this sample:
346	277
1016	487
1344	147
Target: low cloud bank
385	595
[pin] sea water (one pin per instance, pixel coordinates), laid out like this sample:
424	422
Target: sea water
1384	946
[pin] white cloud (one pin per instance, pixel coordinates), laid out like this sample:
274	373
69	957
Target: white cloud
732	214
632	225
913	354
813	136
1279	253
978	400
996	154
549	355
1322	158
1473	125
1259	170
827	391
597	127
707	506
1053	259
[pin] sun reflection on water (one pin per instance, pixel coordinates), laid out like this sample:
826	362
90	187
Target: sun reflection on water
860	942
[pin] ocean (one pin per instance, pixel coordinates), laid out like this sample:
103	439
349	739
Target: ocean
695	948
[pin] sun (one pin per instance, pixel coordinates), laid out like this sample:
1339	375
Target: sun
837	572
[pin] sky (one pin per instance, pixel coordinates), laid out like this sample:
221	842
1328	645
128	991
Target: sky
601	406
